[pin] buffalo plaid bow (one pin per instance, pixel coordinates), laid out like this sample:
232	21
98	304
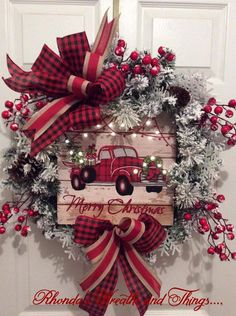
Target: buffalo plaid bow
108	246
74	76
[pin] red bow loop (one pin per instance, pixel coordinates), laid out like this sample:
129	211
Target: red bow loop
110	245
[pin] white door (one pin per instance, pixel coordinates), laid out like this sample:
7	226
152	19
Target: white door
203	34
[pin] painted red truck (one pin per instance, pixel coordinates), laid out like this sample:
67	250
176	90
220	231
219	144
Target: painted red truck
119	166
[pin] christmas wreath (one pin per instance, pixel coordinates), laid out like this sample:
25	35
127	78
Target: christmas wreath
131	91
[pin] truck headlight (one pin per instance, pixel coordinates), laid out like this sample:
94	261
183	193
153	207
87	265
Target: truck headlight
135	171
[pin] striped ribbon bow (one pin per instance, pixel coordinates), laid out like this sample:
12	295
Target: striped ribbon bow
75	79
108	246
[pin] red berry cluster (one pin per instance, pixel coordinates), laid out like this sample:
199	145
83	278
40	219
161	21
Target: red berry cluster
212	222
137	63
22	218
218	115
19	108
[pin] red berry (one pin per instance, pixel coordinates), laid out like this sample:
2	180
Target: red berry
211	250
40	104
14	127
134	55
230	142
230	236
25	97
187	216
220	198
230	227
21	219
223	257
203	221
6	114
119	51
215	236
170	57
9	104
220	229
24	233
137	69
6	212
121	43
2	230
16	209
3	219
232	103
214	119
147	59
6	206
18	106
207	109
218	215
26	228
211	101
198	205
25	111
154	71
206	227
30	213
229	113
17	227
218	110
214	127
154	62
224	129
210	206
161	50
201	230
125	67
233	255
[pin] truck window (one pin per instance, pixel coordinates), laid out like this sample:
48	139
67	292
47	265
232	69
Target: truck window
119	152
104	154
130	152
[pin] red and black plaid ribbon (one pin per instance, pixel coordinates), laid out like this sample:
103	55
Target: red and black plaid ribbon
108	246
76	77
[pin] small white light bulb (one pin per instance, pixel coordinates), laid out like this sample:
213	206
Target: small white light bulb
81	160
134	135
80	153
85	135
144	164
159	165
148	123
67	141
164	171
113	134
153	158
71	152
135	171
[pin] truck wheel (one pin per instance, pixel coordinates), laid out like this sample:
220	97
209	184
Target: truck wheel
88	174
77	183
153	189
123	186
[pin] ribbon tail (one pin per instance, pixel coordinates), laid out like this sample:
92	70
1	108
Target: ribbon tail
96	301
139	293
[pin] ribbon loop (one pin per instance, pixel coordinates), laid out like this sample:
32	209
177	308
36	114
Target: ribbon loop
117	245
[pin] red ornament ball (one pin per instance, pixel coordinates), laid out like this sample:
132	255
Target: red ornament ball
19	106
229	113
218	215
16	209
134	55
230	227
125	67
6	114
2	230
207	109
154	71
17	227
233	255
154	62
214	119
14	127
137	69
224	129
230	236
223	257
121	43
220	198
9	104
119	51
218	110
187	216
147	59
25	97
203	221
211	101
211	250
161	50
232	103
170	57
21	219
214	127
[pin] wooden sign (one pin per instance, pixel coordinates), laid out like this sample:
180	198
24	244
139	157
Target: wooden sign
125	178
